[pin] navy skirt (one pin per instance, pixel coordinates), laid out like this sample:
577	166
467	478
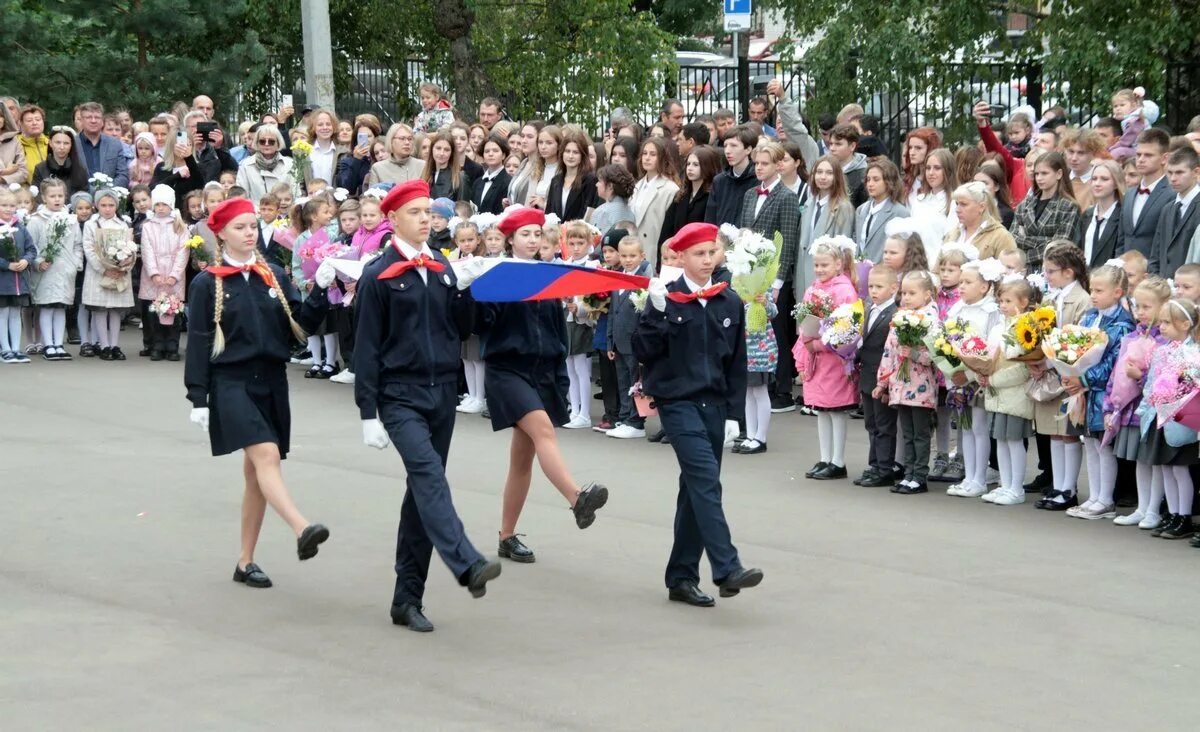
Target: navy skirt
513	393
248	405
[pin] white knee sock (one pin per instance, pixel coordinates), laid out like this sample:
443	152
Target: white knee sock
5	341
840	421
480	371
1091	451
762	413
100	327
976	448
751	412
1183	489
825	435
469	375
1168	480
1072	459
1157	489
314	347
1057	462
1016	464
46	325
943	430
1144	478
1108	474
1004	464
573	385
331	348
14	328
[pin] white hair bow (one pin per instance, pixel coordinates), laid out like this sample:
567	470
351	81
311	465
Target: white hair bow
991	269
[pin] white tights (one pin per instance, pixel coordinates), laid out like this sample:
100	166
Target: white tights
1010	457
474	371
10	329
1149	487
579	371
976	448
1177	484
53	324
831	433
758	412
1065	458
83	321
331	349
106	325
1101	471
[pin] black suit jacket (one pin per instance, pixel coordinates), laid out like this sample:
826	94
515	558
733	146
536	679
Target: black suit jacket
1111	240
1141	236
622	317
493	202
870	353
687	210
579	199
1172	240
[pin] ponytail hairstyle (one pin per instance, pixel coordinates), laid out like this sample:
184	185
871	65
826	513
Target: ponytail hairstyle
1021	289
302	213
1156	287
1115	276
1179	311
905	232
924	279
841	249
1067	255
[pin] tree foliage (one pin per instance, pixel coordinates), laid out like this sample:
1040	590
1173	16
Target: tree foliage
139	54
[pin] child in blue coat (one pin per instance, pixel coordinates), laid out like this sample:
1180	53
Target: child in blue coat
17	253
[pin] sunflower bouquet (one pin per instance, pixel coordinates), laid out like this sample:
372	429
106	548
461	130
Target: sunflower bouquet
911	327
1024	339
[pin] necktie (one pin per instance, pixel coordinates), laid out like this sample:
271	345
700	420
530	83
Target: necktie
867	228
762	191
1178	214
1096	234
705	293
420	260
817	215
259	268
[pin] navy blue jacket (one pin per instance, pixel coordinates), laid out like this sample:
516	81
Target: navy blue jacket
694	352
622	317
523	335
409	332
351	173
725	199
17	283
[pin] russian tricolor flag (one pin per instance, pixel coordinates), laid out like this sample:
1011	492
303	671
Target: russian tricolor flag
517	280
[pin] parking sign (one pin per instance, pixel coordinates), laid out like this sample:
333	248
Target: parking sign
737	15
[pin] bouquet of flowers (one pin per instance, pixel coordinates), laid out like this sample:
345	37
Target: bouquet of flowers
8	243
1023	341
1176	382
597	302
841	332
941	343
1072	350
644	402
117	253
974	353
911	327
1125	392
57	237
317	250
166	306
639	298
197	251
753	260
301	152
815	307
99	181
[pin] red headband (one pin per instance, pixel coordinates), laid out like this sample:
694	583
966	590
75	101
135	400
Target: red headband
227	211
402	194
519	217
693	234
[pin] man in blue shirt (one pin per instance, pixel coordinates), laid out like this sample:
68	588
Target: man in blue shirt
101	153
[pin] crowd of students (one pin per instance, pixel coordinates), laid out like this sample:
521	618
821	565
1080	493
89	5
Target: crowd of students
1105	214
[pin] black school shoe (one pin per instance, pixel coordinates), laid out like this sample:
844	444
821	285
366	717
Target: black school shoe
911	488
412	618
830	472
1040	484
173	356
515	549
156	355
591	499
1167	520
251	576
313	372
104	354
740	580
117	353
310	541
476	578
876	480
1182	528
686	591
87	350
815	469
1050	504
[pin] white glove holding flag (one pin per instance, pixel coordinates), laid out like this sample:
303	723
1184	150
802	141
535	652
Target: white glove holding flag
199	416
374	434
657	294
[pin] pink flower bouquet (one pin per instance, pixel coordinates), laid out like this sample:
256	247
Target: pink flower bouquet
1176	382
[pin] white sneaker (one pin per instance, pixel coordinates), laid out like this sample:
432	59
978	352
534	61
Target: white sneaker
345	376
1130	520
626	432
972	490
578	422
956	489
1150	521
993	476
470	406
1009	498
991	495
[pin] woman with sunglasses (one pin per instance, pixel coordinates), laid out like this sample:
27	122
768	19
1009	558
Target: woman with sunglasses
267	167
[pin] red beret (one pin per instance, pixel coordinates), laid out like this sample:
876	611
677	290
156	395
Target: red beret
693	234
227	211
523	216
402	194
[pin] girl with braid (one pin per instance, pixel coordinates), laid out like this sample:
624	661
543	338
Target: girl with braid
245	316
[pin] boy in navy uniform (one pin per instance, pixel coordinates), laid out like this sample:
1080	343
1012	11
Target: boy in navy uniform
412	319
691	340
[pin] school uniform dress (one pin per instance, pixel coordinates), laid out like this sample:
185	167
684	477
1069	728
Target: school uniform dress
245	387
525	349
1170	444
406	361
1123	395
695	359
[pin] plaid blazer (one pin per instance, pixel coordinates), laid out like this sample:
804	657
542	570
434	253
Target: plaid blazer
1060	220
780	213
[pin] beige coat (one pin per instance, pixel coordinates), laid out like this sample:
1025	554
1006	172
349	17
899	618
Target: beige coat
651	201
991	240
389	171
1006	392
11	153
1045	414
95	295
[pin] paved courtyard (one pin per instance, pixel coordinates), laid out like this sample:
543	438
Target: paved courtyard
877	612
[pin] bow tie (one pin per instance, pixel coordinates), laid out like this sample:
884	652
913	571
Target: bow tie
420	260
1143	191
763	191
701	294
259	268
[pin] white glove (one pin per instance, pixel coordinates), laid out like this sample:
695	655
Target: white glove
325	274
731	431
657	294
199	416
471	270
374	435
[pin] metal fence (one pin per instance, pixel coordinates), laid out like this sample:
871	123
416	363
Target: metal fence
1182	98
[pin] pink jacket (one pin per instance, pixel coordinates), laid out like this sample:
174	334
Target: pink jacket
164	252
825	382
368	242
920	389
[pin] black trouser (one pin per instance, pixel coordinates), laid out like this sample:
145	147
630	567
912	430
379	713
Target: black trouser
785	336
345	332
880	421
420	421
147	330
627	376
697	431
918	425
1043	448
163	338
608	388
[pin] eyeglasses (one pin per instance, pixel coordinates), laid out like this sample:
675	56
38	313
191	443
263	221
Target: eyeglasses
1051	270
268	143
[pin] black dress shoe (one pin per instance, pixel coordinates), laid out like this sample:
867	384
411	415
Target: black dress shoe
590	500
748	450
117	353
173	356
658	436
145	352
865	474
687	591
105	354
310	540
875	480
908	489
815	469
411	617
251	576
514	549
830	472
156	355
1040	483
1181	529
1168	522
857	413
666	439
1049	503
740	580
479	575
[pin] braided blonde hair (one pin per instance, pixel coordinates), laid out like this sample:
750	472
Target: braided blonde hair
218	346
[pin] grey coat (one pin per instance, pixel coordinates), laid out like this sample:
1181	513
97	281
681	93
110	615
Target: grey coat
871	246
840	223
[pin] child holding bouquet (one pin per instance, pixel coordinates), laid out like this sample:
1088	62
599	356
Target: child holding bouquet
1170	447
762	356
827	388
1109	314
1009	408
164	263
110	253
978	312
906	377
469	246
17	255
949	268
580	329
1066	273
314	217
1123	396
59	258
